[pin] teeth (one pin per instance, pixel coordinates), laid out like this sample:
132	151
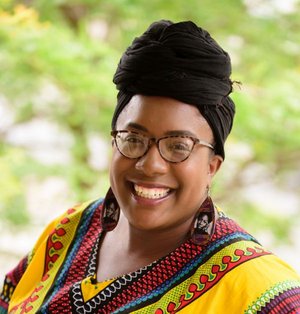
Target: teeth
150	192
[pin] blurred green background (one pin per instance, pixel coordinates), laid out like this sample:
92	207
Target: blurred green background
57	59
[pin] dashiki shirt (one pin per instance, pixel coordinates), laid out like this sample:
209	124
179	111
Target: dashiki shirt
231	274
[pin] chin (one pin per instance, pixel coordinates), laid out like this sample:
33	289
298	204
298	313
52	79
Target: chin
145	220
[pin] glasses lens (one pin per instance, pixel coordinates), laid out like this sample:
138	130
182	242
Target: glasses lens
131	145
176	148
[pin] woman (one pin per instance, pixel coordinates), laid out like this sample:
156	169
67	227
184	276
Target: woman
143	248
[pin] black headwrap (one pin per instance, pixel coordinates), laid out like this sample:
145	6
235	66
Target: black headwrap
181	61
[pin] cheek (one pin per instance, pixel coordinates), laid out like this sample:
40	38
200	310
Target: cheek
118	161
195	172
193	181
119	166
116	167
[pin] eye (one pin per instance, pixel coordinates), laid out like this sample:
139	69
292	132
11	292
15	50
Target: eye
179	145
133	138
131	145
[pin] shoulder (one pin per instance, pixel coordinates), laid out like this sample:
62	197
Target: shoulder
255	276
266	282
77	211
240	249
69	220
48	252
245	277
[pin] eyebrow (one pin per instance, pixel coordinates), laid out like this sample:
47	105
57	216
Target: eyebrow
139	127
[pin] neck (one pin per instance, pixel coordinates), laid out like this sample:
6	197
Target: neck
149	244
126	248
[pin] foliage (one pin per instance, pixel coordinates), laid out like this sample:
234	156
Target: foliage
55	66
11	168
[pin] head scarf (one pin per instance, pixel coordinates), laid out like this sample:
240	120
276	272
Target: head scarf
180	61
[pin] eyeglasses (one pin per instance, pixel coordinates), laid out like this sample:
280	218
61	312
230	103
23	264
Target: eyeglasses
174	148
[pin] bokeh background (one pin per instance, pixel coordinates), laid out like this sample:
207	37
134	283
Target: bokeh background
57	59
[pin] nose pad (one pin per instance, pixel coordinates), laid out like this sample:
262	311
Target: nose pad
152	163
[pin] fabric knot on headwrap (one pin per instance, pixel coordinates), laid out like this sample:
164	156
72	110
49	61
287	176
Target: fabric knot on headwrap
180	61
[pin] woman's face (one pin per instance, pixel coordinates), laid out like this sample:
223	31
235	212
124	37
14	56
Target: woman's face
203	221
155	194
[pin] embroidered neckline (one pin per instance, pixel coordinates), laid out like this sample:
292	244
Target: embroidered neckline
177	252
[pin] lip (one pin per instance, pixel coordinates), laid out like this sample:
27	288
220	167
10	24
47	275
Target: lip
149	185
149	201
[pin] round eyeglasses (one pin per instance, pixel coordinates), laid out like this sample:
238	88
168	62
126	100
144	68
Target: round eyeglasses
173	148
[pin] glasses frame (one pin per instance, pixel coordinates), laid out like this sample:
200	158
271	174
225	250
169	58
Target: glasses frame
156	141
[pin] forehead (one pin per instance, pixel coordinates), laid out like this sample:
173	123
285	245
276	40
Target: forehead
159	115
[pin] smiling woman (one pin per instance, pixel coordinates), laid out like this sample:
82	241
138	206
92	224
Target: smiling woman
157	243
182	189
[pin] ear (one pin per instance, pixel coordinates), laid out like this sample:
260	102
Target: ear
214	165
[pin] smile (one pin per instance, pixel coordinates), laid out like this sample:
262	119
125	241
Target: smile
150	193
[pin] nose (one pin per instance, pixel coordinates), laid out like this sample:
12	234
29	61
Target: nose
152	164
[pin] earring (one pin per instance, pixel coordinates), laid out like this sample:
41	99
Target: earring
208	189
110	212
204	224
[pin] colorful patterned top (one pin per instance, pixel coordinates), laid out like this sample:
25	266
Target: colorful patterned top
232	274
